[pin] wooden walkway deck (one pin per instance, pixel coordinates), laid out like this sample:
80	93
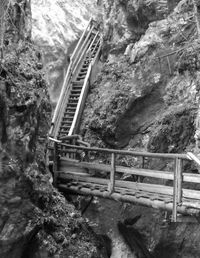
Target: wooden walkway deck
76	172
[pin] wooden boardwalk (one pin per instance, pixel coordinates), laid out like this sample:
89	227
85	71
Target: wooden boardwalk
76	165
77	172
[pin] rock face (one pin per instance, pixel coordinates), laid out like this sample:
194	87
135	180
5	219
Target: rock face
147	98
57	25
35	219
148	87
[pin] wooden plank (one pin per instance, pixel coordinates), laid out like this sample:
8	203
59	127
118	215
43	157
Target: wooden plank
132	199
153	188
187	177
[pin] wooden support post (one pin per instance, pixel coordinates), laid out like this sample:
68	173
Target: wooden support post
140	178
177	189
112	174
179	179
55	164
143	161
74	154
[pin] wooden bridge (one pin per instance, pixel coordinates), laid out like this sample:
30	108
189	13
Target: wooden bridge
81	169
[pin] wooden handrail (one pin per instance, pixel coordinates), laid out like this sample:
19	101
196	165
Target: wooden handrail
81	99
82	54
132	153
193	157
166	175
80	50
54	140
83	35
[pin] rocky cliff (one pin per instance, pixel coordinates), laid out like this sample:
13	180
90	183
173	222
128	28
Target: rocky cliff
57	26
35	219
148	90
147	98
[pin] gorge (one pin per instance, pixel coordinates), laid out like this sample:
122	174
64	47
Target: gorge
145	98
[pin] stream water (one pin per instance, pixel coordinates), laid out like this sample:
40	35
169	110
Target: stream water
103	216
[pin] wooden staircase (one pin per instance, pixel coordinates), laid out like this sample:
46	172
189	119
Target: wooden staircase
75	87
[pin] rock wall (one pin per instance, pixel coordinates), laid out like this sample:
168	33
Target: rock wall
146	98
35	219
57	26
150	77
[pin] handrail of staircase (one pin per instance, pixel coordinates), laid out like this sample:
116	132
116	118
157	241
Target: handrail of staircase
67	78
87	46
78	109
193	157
83	52
80	50
54	140
97	54
70	137
80	40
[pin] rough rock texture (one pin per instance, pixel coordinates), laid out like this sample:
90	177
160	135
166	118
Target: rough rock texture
147	98
57	25
162	239
137	91
35	219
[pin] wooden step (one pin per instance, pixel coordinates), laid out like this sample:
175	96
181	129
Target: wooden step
78	87
74	91
69	114
76	83
82	73
63	133
64	128
72	100
84	69
85	66
65	119
81	78
68	119
66	125
71	104
74	95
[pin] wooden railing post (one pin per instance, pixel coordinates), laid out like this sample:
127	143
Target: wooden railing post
55	163
180	180
112	174
177	191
